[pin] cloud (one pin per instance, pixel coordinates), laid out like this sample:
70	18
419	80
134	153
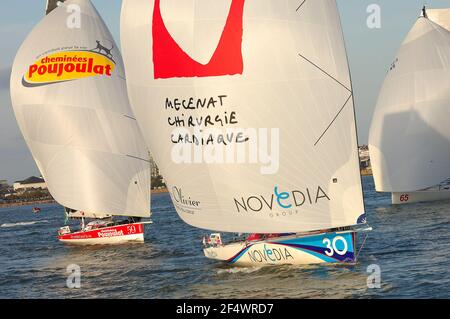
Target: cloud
5	74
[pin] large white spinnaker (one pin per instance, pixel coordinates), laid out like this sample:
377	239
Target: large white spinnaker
69	96
279	65
410	133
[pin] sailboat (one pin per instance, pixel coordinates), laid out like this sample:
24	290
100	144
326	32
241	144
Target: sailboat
70	100
207	77
409	138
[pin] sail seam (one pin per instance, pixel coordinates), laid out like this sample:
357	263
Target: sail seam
138	158
334	119
130	117
300	5
325	72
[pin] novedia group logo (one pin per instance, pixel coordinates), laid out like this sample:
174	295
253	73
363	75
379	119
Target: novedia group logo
70	65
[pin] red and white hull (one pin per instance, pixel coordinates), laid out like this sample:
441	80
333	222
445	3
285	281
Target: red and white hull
106	236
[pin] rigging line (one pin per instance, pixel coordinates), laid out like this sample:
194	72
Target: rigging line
334	119
300	5
361	247
325	73
138	158
130	117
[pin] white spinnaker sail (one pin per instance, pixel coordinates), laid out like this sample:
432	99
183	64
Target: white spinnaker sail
440	16
410	133
79	125
294	77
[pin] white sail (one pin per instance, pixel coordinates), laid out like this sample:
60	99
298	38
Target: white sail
410	134
440	16
279	65
69	96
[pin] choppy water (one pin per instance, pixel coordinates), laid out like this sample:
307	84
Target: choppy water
411	245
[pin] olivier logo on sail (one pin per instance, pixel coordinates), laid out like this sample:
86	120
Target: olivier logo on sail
185	203
70	64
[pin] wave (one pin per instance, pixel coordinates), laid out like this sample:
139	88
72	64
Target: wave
7	225
235	270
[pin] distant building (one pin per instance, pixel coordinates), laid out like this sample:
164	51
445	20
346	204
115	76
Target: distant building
3	183
154	170
364	157
32	182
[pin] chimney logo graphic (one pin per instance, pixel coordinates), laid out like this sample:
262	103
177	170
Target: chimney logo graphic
170	61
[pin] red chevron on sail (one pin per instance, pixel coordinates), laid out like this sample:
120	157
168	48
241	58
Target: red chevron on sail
171	61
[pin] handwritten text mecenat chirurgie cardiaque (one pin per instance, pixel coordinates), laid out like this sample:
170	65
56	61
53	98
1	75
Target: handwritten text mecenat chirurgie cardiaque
183	106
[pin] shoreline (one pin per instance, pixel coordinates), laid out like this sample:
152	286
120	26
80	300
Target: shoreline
30	203
52	201
366	172
159	191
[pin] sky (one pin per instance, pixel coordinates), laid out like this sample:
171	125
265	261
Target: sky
370	52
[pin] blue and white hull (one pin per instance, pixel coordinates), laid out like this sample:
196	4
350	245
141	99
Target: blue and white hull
334	247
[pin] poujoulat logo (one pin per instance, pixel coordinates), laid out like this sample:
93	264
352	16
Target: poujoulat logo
110	233
279	199
67	66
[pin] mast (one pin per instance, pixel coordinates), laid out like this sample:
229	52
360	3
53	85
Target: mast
424	12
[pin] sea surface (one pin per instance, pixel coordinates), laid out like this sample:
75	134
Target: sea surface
410	244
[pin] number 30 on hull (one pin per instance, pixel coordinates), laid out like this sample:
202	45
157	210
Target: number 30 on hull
337	247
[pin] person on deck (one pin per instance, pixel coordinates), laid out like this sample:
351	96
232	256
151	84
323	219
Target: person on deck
255	237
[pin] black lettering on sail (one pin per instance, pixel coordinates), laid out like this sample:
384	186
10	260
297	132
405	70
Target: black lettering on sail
321	191
309	195
296	199
271	201
238	204
259	203
169	104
